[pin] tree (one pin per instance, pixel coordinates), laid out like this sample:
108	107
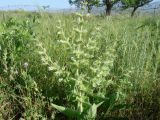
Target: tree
88	3
135	4
109	4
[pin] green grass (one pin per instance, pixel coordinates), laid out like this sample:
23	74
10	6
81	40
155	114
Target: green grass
69	66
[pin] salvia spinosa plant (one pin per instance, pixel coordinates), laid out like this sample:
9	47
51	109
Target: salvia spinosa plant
86	81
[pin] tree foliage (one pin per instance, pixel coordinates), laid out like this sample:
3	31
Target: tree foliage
90	3
87	3
135	4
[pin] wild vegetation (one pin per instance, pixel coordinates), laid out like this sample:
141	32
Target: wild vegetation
72	66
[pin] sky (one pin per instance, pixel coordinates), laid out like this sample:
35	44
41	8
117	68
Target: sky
56	4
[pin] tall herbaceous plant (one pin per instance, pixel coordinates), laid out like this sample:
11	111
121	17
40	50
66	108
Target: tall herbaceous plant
86	70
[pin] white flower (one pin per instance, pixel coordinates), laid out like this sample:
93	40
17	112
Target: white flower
25	65
16	72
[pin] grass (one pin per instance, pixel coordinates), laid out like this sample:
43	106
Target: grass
58	66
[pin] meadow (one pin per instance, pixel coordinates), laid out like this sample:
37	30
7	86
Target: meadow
79	67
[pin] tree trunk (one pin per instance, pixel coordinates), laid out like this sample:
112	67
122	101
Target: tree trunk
134	10
108	7
89	8
108	10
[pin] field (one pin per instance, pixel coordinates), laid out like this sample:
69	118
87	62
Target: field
79	67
